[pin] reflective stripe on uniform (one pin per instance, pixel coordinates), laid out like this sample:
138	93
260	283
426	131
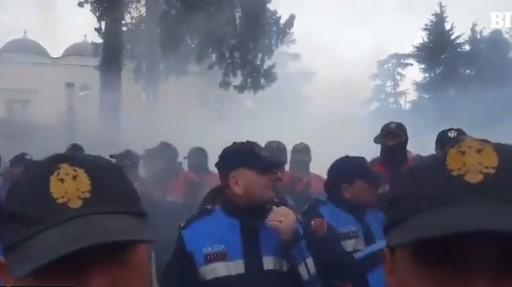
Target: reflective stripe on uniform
307	269
237	267
274	263
222	269
376	247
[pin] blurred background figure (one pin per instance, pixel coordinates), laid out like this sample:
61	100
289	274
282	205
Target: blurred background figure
14	171
447	138
130	162
75	148
200	179
161	170
277	150
301	185
394	156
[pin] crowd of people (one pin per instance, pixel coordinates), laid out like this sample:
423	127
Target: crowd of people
398	220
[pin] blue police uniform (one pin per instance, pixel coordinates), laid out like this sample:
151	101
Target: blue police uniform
230	246
334	230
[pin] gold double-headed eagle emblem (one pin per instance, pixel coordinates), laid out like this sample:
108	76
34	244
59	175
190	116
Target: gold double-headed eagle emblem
70	185
473	160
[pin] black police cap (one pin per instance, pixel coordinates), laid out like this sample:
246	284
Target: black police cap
20	160
277	150
449	137
467	189
126	158
249	155
65	203
348	169
164	150
396	128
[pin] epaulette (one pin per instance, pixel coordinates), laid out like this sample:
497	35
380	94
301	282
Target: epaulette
202	212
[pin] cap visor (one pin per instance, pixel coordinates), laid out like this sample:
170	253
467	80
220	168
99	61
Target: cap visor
452	220
267	166
378	139
73	235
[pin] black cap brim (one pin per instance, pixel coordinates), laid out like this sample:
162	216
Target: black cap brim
377	139
73	235
265	165
451	220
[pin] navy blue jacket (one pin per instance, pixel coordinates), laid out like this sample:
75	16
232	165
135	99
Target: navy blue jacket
346	244
229	246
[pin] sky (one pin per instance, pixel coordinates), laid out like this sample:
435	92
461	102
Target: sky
339	41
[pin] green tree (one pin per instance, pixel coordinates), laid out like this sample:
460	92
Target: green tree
237	37
439	56
387	90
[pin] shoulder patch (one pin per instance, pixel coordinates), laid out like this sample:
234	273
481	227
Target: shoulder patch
203	211
318	226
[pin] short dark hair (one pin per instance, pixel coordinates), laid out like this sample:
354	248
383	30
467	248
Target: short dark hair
486	255
83	260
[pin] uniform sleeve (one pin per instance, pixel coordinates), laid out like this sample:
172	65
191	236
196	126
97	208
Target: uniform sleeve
371	257
300	257
334	264
181	270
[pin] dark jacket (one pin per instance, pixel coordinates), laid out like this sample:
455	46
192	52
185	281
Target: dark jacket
342	242
232	246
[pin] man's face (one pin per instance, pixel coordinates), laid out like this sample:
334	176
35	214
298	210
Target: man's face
361	194
254	187
196	162
391	139
402	271
136	269
299	161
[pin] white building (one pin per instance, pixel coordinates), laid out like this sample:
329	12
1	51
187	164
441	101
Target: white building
47	102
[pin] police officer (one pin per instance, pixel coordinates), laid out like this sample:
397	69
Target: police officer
449	219
345	232
75	220
394	156
447	138
130	162
277	150
75	148
199	178
244	241
17	165
301	184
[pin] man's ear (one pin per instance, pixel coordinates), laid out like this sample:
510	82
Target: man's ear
235	182
389	268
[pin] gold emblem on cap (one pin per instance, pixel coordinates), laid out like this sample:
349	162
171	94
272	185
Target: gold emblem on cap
70	185
473	160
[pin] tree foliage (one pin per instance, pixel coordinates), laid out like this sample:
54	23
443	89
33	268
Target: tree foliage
387	89
464	78
237	37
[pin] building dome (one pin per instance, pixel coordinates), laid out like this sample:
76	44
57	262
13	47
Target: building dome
24	45
80	49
